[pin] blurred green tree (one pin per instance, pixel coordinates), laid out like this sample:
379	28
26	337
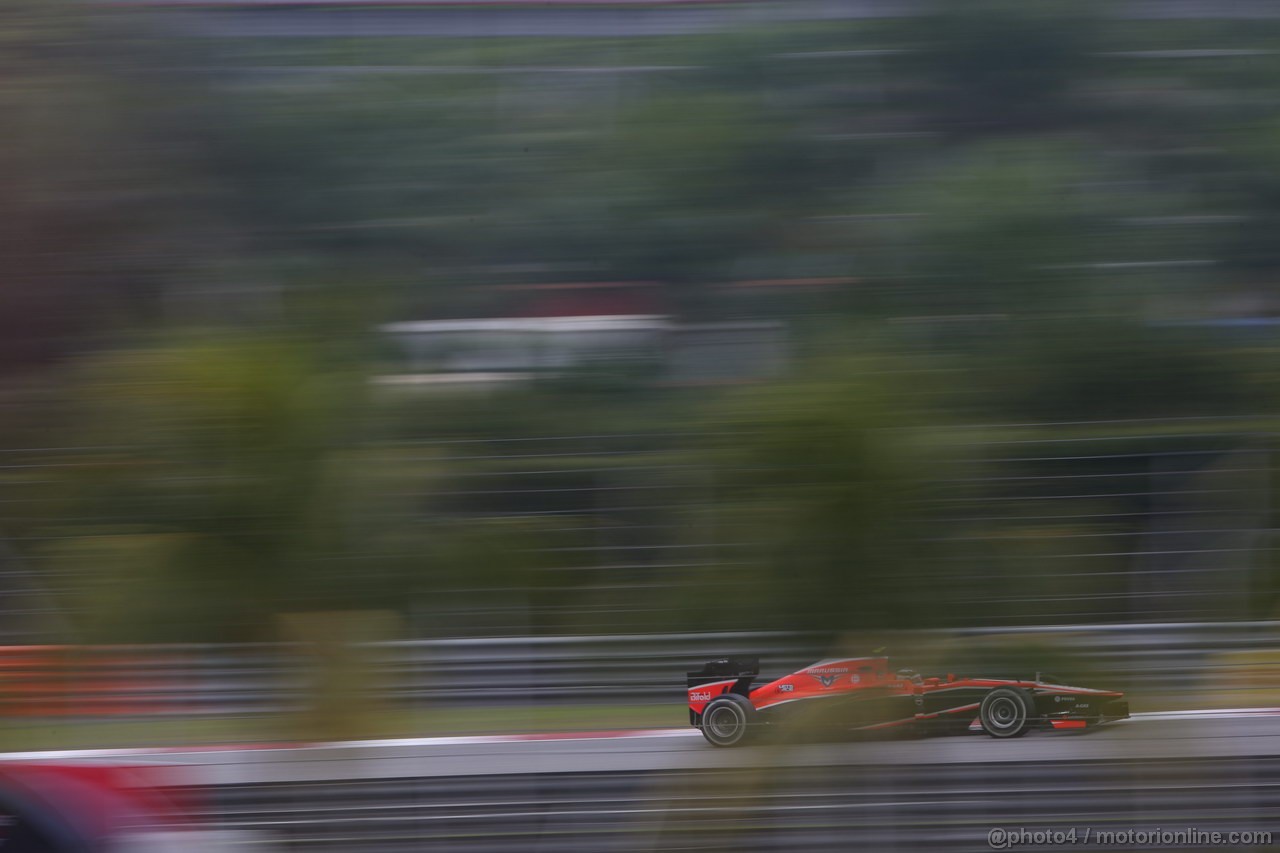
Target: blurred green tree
698	181
1002	227
1105	369
225	492
999	65
1251	186
822	477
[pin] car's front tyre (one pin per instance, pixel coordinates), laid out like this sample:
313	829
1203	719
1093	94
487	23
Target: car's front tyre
1005	713
728	720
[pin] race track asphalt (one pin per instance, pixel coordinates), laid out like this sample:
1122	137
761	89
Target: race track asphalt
1182	735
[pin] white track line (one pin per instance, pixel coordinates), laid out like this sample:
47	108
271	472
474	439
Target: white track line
523	738
1207	714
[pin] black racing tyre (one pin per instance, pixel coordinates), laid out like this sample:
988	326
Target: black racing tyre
1005	713
728	720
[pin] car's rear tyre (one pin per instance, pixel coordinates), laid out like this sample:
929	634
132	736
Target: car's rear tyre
1005	713
728	720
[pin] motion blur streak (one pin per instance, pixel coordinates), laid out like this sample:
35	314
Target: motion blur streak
402	384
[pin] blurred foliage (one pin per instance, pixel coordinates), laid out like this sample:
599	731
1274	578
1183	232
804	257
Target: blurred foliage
235	477
1035	212
999	65
825	477
221	493
345	687
1020	656
1106	369
1001	228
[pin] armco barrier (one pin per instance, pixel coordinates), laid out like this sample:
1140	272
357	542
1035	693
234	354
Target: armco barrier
1230	660
835	808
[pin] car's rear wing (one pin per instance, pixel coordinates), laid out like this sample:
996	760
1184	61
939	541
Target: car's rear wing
723	669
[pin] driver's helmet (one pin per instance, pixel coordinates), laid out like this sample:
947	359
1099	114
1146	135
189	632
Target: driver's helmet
910	675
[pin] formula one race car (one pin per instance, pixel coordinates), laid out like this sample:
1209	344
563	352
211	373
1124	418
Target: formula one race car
863	694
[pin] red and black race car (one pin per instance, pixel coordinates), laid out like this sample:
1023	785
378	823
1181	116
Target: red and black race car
865	694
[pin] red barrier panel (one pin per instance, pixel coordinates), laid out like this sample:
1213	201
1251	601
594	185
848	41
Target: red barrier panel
82	808
59	681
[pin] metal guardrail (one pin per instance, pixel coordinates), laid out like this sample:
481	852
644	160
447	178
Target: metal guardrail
837	808
1241	657
1142	658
